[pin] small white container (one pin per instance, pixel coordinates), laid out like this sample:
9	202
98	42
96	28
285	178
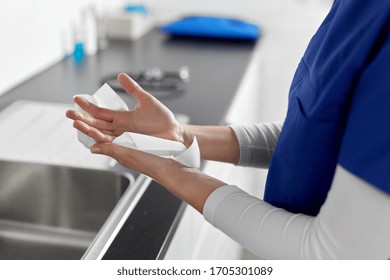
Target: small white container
127	26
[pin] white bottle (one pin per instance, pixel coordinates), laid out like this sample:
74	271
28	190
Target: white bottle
90	22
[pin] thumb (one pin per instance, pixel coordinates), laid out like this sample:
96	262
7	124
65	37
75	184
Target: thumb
124	156
115	151
132	87
107	149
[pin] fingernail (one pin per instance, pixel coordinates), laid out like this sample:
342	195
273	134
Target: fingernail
96	150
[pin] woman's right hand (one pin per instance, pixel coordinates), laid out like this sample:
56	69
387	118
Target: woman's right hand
149	117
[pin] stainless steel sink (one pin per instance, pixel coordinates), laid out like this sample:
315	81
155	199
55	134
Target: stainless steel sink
56	212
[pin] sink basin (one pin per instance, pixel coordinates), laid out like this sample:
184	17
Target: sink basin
55	212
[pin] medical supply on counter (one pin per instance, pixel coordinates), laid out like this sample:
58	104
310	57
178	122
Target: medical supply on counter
66	42
78	33
131	23
85	36
141	9
78	52
91	35
163	84
213	27
107	98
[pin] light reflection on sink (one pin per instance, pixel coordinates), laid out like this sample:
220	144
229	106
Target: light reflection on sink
54	212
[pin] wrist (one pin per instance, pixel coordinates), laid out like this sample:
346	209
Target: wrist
189	184
186	135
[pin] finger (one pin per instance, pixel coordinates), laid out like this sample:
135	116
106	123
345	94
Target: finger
110	132
74	115
105	127
97	123
95	111
92	132
132	87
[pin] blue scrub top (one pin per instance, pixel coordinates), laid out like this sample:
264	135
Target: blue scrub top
339	109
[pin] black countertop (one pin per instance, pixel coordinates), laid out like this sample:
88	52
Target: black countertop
216	70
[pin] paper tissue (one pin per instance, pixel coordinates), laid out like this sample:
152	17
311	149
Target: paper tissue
107	98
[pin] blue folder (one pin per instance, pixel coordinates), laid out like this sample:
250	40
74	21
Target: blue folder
213	27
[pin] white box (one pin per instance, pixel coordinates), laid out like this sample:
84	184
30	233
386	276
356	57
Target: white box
127	26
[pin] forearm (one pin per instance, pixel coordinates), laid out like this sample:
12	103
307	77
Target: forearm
250	145
217	143
352	224
189	184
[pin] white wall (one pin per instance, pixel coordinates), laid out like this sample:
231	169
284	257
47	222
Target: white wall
31	30
31	35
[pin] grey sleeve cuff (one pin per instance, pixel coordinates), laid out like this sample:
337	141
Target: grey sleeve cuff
257	143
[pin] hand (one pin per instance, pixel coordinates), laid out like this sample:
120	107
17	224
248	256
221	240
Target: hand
187	183
148	117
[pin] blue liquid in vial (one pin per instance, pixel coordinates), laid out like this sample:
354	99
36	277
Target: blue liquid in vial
78	52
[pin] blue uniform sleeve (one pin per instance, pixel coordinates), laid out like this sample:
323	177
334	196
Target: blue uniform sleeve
365	149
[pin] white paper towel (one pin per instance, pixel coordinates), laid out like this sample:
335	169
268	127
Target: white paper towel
153	145
106	97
